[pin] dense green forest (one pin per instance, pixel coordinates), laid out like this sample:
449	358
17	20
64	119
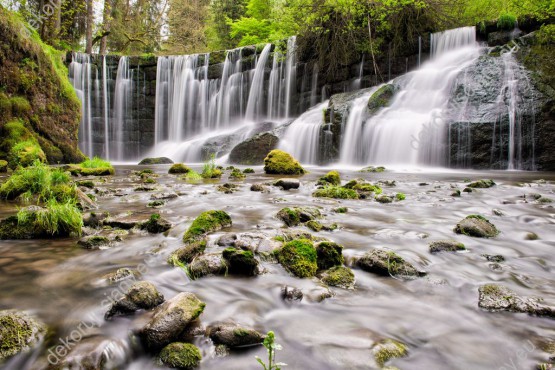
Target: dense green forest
191	26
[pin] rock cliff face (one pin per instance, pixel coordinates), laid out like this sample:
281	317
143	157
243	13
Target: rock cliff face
38	105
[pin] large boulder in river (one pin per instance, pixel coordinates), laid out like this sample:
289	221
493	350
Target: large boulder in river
477	226
279	162
381	98
19	332
299	257
171	320
495	297
254	150
207	222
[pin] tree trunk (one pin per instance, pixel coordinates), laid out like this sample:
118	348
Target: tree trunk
90	23
107	25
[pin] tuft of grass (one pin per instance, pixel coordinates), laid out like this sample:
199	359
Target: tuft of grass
95	162
210	170
336	192
56	219
506	22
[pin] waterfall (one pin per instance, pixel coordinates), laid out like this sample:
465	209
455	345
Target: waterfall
80	73
256	95
302	138
314	86
411	131
122	110
510	100
290	75
106	108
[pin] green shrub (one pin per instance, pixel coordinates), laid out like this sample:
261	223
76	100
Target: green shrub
546	34
506	22
210	170
192	175
56	219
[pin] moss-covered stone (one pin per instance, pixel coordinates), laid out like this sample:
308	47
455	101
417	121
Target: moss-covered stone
94	242
187	253
477	226
295	216
179	168
446	246
299	257
210	264
3	166
181	356
481	184
240	262
19	332
384	199
236	174
339	276
329	254
156	224
373	169
331	178
142	295
170	320
388	349
496	297
158	160
381	98
207	222
387	263
25	153
279	162
335	192
233	336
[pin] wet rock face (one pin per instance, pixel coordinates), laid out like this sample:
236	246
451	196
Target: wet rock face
233	335
142	295
170	320
254	150
19	332
500	298
477	226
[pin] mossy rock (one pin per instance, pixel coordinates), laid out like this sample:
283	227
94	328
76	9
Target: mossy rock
279	162
207	222
388	349
158	160
335	192
181	356
496	297
142	295
156	224
329	254
299	257
179	168
381	98
3	166
331	178
387	263
446	246
339	276
240	262
236	174
233	336
384	199
187	253
295	216
94	242
482	184
373	169
19	332
476	226
77	170
210	264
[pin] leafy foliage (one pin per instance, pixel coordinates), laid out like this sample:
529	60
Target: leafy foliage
271	346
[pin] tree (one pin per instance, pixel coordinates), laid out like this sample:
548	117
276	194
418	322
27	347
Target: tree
90	24
106	26
186	26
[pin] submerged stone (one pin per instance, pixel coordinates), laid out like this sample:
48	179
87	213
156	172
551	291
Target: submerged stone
339	276
158	160
206	265
387	263
288	184
446	246
496	297
240	262
481	184
141	296
187	253
295	216
388	349
94	242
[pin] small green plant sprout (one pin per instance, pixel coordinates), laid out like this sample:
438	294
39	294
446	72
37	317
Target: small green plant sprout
272	347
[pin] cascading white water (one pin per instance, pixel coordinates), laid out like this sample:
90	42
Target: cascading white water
510	99
302	138
411	131
122	108
106	108
255	107
80	74
290	74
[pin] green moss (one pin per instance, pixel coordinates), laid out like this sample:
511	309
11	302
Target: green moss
20	106
279	162
339	276
363	187
3	166
179	168
481	184
373	169
381	98
236	174
400	196
329	255
331	178
18	332
506	22
156	203
299	257
290	216
185	255
336	192
181	356
56	219
341	210
207	222
546	34
25	153
314	225
248	170
388	349
240	262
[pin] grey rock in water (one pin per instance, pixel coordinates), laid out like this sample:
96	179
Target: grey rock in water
446	246
288	184
387	263
141	296
496	297
254	150
233	335
477	226
159	160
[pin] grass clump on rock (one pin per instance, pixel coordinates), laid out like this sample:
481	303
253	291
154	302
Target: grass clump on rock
279	162
55	219
299	257
210	170
95	166
181	356
207	222
179	168
335	192
331	178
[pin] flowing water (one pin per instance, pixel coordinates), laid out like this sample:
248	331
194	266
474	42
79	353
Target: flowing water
436	316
